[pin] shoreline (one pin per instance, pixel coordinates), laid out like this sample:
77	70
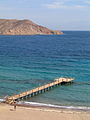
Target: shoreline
51	106
27	104
62	110
24	112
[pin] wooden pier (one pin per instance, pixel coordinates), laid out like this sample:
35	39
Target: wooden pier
33	92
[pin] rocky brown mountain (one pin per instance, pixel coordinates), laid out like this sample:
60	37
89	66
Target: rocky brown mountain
23	27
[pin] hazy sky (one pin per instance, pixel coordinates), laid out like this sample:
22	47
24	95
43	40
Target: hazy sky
55	14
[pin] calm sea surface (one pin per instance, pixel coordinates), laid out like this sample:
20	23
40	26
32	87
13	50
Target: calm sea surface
30	61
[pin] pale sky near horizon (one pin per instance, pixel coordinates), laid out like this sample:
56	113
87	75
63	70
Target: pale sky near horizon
55	14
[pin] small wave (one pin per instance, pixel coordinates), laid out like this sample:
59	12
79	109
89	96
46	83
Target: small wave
2	100
55	106
82	83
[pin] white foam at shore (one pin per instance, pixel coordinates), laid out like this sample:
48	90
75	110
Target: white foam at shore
55	106
2	100
51	105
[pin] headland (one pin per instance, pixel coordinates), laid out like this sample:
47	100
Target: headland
24	27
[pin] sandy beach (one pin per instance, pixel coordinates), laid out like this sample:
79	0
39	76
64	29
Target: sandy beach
7	112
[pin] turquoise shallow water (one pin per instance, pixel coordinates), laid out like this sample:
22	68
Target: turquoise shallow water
30	61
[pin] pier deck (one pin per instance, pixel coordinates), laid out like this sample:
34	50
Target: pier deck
35	91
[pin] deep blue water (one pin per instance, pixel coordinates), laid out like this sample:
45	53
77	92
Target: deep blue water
30	61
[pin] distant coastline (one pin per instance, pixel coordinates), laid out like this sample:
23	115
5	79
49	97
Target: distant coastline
24	27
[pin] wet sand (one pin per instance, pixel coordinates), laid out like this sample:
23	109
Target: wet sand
7	112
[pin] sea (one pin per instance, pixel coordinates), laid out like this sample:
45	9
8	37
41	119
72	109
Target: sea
27	62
